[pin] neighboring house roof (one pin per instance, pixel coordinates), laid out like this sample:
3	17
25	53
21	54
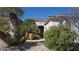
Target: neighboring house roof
62	17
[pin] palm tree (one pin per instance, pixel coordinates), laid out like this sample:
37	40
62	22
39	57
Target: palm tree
30	25
30	28
13	13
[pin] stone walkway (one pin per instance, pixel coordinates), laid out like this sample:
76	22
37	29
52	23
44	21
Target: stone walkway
39	46
27	46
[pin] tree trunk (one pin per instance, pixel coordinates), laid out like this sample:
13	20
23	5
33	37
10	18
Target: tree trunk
14	26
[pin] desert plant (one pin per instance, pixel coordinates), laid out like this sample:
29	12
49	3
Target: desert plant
60	38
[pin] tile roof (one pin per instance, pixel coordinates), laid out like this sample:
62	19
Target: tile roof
40	20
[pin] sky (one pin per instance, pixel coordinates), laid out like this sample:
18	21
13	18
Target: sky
43	12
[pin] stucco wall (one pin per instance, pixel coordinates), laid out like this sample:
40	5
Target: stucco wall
49	24
74	27
52	23
40	23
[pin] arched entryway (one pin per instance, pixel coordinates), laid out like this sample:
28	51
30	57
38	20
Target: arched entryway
41	31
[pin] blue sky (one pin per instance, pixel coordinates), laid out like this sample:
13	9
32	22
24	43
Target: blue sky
43	12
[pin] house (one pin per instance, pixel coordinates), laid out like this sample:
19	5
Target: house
53	21
44	24
70	20
40	25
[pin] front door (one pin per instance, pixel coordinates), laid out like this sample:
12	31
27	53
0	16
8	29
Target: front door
41	31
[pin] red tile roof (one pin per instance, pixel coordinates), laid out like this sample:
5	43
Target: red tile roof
40	20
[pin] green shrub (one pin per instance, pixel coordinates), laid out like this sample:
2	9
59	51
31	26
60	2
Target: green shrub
4	26
37	37
30	25
60	38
